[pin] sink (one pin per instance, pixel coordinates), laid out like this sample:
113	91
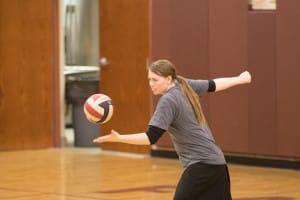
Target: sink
81	73
73	70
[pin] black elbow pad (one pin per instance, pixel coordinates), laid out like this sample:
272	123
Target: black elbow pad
154	133
211	86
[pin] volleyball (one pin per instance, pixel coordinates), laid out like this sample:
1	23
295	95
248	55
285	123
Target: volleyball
98	108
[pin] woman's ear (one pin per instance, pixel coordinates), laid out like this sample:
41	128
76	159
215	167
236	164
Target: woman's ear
169	79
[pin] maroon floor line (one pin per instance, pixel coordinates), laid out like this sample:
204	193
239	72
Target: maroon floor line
156	189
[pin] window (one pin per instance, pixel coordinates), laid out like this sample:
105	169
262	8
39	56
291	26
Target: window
262	4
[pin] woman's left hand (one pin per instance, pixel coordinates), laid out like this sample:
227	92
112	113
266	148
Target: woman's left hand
245	77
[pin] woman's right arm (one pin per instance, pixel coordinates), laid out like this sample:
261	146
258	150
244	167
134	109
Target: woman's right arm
114	136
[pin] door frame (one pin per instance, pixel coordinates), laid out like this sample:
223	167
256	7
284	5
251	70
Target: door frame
57	120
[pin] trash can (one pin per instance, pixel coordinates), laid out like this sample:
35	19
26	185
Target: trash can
77	91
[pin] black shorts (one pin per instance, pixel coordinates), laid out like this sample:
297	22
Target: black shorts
205	182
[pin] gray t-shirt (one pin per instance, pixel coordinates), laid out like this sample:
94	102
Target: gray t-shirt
192	143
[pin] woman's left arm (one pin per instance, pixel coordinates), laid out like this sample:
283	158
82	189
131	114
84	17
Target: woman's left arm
228	82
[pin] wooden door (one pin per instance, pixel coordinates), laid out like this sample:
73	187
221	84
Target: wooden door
26	74
124	31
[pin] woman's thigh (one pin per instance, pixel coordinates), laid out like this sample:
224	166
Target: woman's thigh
203	181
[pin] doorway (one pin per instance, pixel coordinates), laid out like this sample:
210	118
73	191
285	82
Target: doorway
80	58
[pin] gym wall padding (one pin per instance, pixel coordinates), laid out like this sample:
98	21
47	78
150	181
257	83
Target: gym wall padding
262	137
287	77
210	39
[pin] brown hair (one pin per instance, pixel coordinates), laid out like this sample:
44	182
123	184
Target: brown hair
165	68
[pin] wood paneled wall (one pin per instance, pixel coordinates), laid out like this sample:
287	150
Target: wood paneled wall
224	39
204	39
26	74
124	41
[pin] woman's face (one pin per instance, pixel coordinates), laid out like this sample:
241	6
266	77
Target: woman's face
159	84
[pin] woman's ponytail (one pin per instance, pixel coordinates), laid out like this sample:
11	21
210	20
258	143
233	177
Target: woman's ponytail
193	98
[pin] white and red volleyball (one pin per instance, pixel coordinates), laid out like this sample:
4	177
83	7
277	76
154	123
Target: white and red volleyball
98	108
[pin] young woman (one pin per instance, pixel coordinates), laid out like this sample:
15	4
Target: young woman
179	112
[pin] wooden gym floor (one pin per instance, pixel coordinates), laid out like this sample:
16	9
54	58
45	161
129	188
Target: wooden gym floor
89	174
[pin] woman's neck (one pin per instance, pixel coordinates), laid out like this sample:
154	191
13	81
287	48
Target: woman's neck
170	86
